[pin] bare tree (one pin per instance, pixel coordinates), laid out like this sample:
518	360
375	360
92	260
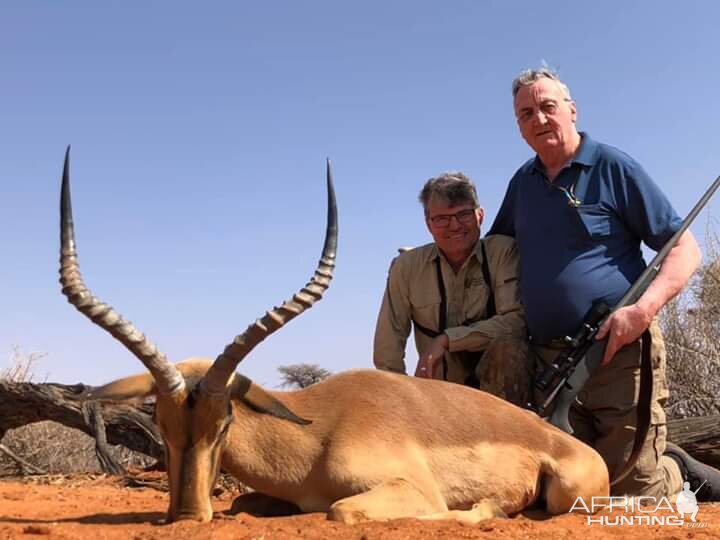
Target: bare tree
302	375
22	365
691	327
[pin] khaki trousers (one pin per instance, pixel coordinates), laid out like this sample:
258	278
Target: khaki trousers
503	369
605	413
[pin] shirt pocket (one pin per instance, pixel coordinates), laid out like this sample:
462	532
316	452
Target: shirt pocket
596	220
507	295
476	298
425	306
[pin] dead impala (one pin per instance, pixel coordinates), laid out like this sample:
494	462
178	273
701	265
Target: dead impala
361	445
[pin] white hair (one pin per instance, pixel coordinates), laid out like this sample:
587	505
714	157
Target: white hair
530	76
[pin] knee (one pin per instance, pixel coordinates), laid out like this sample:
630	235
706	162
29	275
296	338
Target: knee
505	358
507	353
508	345
344	512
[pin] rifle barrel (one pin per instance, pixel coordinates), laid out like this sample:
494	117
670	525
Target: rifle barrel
653	268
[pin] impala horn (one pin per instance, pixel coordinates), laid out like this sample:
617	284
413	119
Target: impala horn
167	378
217	377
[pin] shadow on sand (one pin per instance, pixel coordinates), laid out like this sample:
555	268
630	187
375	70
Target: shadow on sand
126	518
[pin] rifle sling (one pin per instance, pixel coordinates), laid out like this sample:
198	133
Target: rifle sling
442	322
644	405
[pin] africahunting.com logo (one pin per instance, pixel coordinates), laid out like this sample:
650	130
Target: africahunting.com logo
616	511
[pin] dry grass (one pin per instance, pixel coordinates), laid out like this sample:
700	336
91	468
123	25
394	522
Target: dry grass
57	449
21	365
49	446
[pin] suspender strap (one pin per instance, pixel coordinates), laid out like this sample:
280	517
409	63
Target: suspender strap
425	330
442	323
442	316
490	308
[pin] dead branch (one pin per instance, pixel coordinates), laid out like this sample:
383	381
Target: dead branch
113	423
92	413
699	436
20	461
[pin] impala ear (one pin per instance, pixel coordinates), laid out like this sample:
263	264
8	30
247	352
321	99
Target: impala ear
134	387
259	400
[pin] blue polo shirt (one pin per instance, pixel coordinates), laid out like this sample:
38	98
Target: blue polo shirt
572	256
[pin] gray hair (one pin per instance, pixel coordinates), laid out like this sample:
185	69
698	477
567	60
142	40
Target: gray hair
530	76
454	187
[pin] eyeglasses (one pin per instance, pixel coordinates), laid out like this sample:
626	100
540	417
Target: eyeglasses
466	217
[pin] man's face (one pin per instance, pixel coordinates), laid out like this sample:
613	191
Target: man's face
455	229
545	117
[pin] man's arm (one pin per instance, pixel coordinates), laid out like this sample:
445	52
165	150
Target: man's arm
505	219
393	324
508	321
627	324
646	211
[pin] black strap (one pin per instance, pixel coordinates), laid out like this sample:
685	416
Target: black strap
643	409
442	322
425	330
443	306
490	308
644	415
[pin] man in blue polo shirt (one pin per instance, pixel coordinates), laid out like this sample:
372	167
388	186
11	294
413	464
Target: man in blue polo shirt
579	211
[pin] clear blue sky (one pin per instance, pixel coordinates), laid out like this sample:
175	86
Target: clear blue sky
200	132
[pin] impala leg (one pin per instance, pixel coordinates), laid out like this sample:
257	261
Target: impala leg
396	498
583	476
485	509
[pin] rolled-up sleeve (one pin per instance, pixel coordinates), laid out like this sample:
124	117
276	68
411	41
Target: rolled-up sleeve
394	322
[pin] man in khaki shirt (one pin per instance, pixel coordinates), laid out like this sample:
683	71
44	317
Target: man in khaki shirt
469	325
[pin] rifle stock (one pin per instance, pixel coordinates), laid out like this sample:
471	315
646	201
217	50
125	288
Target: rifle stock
574	383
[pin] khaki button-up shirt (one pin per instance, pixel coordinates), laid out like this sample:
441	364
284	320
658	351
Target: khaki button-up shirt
412	293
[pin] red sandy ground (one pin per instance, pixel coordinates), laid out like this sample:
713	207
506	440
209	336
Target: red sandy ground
101	507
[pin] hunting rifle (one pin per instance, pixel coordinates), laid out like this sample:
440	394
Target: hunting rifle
562	380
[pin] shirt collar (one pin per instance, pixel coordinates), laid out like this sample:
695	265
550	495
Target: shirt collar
477	253
586	154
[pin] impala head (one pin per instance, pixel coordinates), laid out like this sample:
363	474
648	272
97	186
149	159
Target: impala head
193	410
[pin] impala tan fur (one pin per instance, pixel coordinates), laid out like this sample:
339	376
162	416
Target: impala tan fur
361	445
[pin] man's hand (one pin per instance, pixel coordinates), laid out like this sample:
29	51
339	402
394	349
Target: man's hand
432	357
623	327
627	324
